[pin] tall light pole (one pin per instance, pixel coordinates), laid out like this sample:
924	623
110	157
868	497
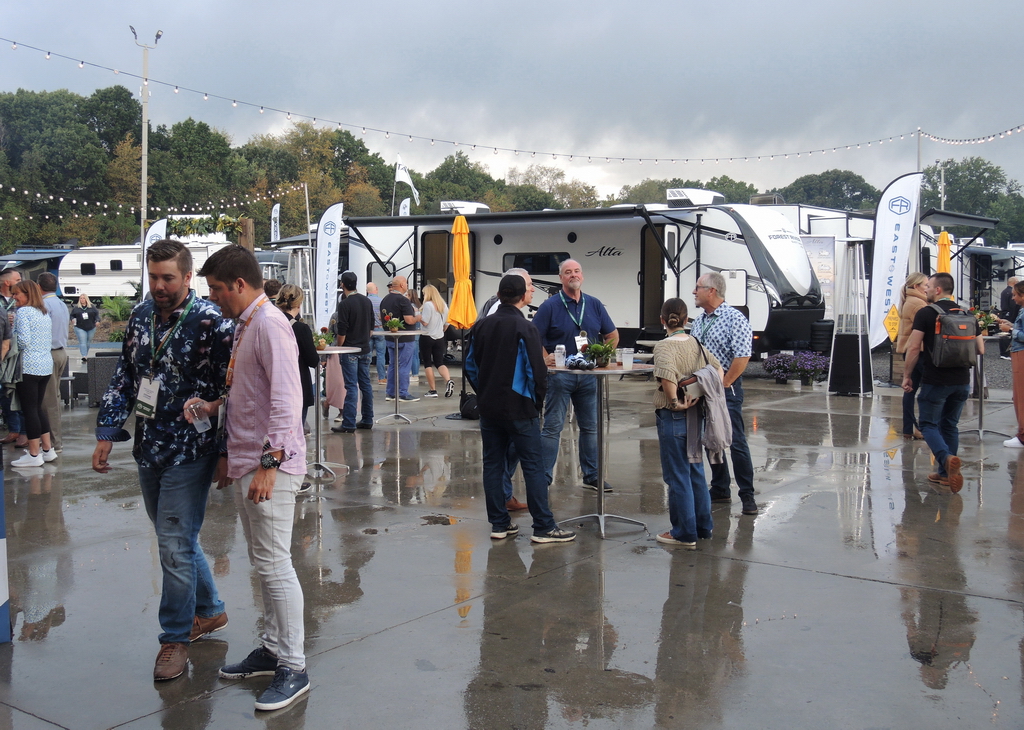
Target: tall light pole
145	133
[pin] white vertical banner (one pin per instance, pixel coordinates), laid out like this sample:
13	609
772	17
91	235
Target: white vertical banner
328	237
895	220
403	209
156	232
402	175
275	223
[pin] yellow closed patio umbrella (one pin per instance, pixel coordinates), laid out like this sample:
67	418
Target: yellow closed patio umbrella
943	265
462	308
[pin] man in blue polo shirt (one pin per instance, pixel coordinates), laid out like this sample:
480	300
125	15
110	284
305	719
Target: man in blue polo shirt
569	318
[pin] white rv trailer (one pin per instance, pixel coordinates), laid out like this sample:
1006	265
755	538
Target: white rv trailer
633	258
116	271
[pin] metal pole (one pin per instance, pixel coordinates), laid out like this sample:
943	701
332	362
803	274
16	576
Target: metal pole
145	149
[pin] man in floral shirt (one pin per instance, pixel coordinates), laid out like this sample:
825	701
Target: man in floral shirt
176	346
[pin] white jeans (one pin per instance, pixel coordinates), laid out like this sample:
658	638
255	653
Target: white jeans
268	532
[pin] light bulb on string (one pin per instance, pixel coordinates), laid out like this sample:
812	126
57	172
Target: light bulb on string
81	64
261	110
47	55
234	103
175	89
14	46
206	97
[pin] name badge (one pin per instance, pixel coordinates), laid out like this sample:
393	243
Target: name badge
580	342
84	316
145	401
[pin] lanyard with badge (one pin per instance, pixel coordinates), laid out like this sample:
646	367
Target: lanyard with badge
707	323
149	387
580	339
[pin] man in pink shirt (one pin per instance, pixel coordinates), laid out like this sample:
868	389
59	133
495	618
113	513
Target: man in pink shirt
266	459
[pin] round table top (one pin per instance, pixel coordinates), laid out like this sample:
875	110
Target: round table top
614	369
398	333
339	350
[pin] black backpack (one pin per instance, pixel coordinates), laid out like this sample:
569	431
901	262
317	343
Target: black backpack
953	344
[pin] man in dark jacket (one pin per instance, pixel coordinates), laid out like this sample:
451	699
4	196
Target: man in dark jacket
505	364
1009	310
353	326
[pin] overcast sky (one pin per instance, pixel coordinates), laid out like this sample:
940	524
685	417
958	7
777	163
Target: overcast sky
637	79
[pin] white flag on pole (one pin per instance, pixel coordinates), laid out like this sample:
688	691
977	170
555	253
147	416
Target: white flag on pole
156	232
895	220
403	209
275	223
328	236
402	175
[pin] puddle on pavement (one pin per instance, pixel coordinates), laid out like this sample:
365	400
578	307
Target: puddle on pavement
439	520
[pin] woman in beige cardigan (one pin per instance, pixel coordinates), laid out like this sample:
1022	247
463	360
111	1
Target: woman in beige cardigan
912	299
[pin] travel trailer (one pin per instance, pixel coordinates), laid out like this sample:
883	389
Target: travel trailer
633	257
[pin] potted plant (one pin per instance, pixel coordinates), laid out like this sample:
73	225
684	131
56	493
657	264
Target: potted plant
323	338
598	353
391	322
779	367
987	320
809	366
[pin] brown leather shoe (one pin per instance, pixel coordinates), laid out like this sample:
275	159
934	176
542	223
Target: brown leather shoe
514	505
953	475
170	662
9	438
21	443
936	478
203	626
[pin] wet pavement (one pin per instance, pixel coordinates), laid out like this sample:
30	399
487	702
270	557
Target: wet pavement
859	597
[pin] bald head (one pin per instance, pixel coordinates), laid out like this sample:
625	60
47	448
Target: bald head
400	284
371	288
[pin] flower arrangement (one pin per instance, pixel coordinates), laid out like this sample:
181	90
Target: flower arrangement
598	352
985	319
391	322
778	366
807	364
323	338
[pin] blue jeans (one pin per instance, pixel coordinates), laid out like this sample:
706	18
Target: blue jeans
378	346
356	370
582	389
511	462
938	410
414	364
689	502
175	500
909	422
11	418
406	350
497	436
742	465
84	340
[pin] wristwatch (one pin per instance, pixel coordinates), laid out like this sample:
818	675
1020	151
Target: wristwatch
269	461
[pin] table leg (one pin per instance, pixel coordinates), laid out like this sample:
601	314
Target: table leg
319	470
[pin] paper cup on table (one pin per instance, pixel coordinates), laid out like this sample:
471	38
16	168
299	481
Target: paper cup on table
627	358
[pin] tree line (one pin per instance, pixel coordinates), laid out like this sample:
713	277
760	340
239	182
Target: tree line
59	147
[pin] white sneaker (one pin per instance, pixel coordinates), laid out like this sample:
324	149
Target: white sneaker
28	460
48	456
1013	443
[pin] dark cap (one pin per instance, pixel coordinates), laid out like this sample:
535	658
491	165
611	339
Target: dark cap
391	284
349	280
512	286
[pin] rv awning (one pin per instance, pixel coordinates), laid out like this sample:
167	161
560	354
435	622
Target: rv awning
34	256
938	218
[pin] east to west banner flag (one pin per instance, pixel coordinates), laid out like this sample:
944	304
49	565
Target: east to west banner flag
275	223
328	237
895	220
402	175
156	232
403	208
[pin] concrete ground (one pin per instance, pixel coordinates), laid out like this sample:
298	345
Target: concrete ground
859	597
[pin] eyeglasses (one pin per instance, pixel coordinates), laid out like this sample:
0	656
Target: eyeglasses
702	287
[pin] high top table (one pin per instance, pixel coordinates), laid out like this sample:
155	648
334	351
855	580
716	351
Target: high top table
396	338
320	469
602	375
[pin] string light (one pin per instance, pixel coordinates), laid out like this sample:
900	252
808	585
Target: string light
982	139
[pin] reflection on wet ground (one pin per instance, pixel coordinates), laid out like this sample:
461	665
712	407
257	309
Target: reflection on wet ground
859	597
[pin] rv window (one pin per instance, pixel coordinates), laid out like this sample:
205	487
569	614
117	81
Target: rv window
88	269
115	265
70	290
536	264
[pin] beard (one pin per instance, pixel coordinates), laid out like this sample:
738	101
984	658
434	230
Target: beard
169	301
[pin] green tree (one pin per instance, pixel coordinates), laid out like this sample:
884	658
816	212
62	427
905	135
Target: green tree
653	191
973	185
734	191
113	114
839	189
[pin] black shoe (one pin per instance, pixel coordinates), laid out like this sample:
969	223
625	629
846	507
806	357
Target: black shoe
287	686
342	429
592	485
721	500
364	426
408	398
510	530
555	535
749	507
259	663
304	488
449	389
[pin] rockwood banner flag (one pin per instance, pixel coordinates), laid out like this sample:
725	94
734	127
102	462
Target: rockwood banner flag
895	221
156	232
328	236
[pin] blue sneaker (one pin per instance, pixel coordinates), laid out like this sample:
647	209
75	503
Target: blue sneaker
288	686
259	663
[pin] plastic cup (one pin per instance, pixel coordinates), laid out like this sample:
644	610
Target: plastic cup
627	358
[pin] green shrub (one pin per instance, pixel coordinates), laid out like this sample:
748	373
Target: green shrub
117	308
